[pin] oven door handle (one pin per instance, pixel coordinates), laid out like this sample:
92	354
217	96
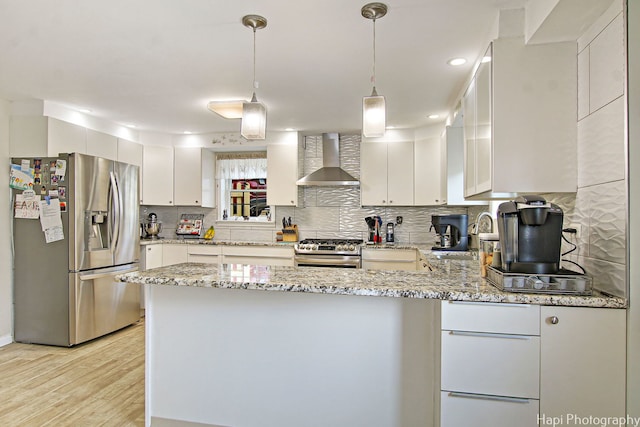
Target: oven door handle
327	260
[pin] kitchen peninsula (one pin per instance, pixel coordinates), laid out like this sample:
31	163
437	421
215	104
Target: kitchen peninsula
251	345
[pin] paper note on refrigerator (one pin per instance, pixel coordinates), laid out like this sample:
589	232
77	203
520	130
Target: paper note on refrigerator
27	206
20	179
51	220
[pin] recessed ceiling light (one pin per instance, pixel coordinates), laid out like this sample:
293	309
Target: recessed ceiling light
227	109
433	116
485	59
457	61
131	126
84	110
187	132
390	127
289	129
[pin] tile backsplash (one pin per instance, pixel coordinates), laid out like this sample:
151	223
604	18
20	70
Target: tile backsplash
322	211
599	208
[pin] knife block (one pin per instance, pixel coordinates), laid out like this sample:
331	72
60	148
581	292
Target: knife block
290	233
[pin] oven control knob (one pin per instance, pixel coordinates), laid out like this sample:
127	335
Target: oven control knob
339	247
314	247
352	248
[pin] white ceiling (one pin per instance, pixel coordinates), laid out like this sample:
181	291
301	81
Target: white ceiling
156	63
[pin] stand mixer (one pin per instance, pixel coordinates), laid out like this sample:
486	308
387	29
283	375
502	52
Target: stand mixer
151	227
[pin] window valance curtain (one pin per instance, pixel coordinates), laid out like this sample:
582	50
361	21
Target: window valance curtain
241	165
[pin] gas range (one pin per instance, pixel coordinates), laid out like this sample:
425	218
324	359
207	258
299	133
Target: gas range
329	246
328	253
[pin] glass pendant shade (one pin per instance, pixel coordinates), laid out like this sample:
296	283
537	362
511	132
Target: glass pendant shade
374	121
254	119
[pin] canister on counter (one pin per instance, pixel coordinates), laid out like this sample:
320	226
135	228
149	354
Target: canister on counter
488	247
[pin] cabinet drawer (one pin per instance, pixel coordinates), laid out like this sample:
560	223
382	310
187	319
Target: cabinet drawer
259	251
496	364
462	409
204	250
491	317
389	255
205	258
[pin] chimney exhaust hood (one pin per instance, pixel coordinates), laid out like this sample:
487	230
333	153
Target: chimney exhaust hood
330	173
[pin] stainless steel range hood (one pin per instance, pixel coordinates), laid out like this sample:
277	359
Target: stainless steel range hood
330	173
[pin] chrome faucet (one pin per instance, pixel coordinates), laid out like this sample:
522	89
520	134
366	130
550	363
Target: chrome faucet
479	218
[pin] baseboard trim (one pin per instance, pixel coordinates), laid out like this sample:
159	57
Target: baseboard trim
5	339
166	422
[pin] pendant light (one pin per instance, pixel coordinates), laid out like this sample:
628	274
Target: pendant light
254	113
374	113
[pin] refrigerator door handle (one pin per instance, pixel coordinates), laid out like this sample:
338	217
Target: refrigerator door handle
117	205
107	274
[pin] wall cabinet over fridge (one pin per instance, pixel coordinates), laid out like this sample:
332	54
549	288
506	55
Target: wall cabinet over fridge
520	121
386	170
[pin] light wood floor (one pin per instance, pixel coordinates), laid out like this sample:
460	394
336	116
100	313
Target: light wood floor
99	383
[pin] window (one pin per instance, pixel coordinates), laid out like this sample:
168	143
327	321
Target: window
242	185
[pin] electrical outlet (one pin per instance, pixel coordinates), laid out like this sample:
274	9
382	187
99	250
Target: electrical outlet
578	228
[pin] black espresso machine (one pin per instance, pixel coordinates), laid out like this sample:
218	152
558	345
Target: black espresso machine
530	232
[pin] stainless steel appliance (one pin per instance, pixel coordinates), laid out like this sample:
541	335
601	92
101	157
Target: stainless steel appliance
451	232
391	232
344	253
65	292
530	232
152	227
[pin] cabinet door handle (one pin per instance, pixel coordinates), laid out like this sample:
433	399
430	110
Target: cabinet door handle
490	335
488	397
496	304
553	320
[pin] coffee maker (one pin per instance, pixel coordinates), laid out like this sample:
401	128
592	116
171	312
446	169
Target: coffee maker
451	232
530	231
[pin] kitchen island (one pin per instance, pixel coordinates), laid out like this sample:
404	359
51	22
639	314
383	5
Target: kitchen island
250	345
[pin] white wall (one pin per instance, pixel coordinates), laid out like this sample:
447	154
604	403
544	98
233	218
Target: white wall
6	258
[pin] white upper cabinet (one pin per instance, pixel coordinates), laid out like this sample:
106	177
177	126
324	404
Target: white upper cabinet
157	175
130	152
386	171
520	121
66	138
430	167
282	171
102	145
194	177
455	168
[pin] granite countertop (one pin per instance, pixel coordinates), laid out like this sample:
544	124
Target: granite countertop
445	279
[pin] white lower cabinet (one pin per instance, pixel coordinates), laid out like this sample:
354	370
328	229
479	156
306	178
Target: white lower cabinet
389	259
174	254
583	357
527	365
152	256
466	410
490	364
259	255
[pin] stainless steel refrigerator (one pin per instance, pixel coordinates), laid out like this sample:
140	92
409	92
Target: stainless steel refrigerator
64	291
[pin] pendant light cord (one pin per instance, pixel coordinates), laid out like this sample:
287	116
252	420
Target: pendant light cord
255	84
373	78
